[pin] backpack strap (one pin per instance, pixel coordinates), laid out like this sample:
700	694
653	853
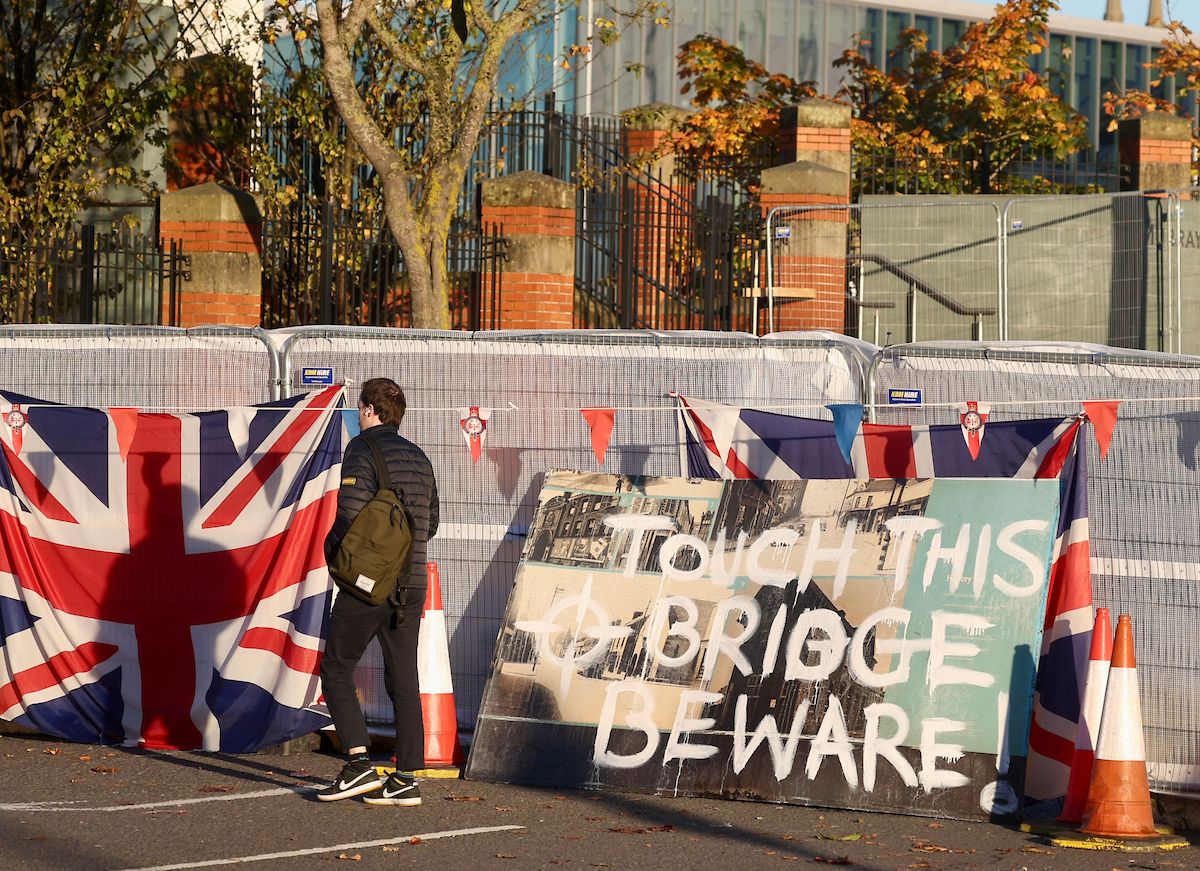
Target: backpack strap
381	469
396	597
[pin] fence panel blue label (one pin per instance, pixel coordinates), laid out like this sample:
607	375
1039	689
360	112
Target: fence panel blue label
904	396
316	375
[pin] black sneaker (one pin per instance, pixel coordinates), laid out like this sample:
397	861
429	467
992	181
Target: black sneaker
397	791
356	778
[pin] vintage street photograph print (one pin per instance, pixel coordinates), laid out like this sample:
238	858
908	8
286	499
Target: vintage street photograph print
857	644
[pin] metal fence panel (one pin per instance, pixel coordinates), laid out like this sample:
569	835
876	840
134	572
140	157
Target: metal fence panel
1086	266
910	270
536	384
1142	496
143	367
1182	269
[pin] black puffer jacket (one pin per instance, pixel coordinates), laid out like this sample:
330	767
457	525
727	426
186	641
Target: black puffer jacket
412	477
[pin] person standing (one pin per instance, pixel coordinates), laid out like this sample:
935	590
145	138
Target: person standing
395	623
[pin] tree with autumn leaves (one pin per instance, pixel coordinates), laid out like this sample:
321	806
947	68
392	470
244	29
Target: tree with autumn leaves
1179	58
979	101
413	81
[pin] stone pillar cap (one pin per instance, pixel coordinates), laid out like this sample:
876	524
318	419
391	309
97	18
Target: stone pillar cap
805	177
528	189
210	202
815	112
1161	125
653	116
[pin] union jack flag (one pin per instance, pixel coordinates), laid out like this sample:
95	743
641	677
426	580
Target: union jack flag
722	441
162	581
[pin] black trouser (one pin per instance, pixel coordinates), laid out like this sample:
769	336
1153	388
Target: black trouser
352	625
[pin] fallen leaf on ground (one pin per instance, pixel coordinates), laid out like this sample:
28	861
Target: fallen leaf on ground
501	809
104	769
926	847
641	830
788	838
936	826
464	798
920	865
391	849
52	751
832	860
505	856
353	857
85	758
415	840
853	837
216	787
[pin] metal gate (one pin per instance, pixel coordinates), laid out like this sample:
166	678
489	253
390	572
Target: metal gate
90	276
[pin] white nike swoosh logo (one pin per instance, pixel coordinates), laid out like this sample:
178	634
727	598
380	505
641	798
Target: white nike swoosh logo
346	784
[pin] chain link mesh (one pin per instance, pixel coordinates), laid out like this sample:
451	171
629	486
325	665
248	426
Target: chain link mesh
1142	496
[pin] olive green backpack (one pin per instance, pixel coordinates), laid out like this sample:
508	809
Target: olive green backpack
377	548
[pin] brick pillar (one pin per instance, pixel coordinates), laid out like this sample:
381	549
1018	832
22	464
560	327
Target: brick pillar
536	215
1158	150
810	247
662	207
221	230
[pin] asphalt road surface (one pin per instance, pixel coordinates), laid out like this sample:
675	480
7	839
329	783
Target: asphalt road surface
75	806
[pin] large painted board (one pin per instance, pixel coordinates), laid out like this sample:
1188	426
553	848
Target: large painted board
860	644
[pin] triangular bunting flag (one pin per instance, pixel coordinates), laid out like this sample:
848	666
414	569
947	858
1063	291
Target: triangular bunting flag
125	420
1103	415
847	418
15	419
600	421
473	421
972	416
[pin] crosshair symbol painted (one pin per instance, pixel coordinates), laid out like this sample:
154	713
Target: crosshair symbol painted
586	645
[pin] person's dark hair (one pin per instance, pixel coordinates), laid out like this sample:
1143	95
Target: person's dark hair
386	397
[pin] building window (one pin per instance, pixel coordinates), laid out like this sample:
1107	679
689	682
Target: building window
896	23
1059	63
952	32
1086	82
872	35
1135	67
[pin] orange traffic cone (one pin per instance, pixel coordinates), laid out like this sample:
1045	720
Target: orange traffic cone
442	747
1089	721
1118	802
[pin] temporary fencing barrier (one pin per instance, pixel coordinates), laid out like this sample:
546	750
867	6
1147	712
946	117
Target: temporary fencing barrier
1146	556
160	368
1116	269
1142	495
535	385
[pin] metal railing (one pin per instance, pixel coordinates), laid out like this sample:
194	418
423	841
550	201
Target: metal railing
85	276
335	266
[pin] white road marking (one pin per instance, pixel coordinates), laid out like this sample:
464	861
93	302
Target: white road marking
312	851
59	806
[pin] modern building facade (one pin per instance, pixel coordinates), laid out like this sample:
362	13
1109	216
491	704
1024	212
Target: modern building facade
803	38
